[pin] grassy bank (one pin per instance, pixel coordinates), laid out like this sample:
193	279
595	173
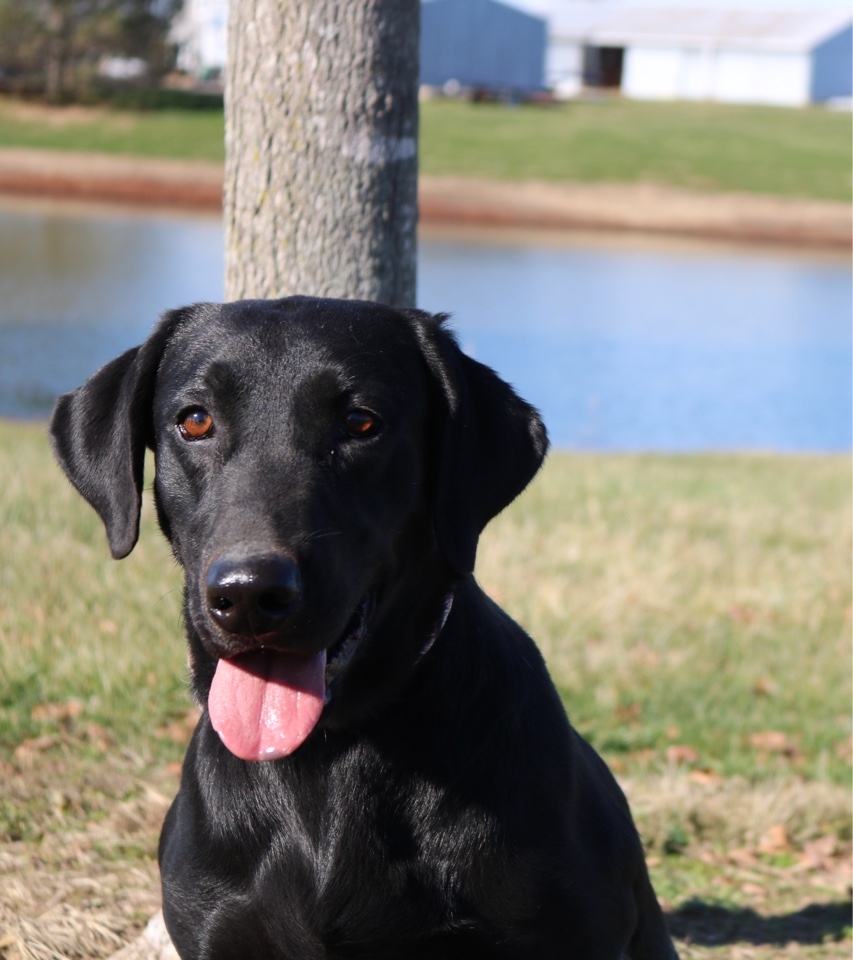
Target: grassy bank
695	612
696	146
173	134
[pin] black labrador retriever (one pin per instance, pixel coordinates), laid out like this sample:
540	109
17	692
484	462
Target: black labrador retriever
323	471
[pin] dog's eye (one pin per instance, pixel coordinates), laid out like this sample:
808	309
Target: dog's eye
360	423
195	424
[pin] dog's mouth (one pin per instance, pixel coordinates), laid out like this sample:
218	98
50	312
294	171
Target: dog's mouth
263	703
339	656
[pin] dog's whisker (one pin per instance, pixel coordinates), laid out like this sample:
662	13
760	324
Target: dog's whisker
318	535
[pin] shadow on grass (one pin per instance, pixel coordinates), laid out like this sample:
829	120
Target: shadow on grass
706	924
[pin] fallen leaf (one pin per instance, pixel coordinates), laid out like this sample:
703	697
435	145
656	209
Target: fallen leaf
705	777
98	736
642	654
630	713
710	857
742	857
679	754
764	687
773	741
844	749
775	840
58	712
818	854
742	614
26	750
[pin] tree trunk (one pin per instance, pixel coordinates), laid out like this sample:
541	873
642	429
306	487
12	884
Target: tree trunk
321	123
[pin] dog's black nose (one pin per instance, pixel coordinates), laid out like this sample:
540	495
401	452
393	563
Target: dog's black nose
252	596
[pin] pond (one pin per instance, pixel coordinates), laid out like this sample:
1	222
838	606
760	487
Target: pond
622	344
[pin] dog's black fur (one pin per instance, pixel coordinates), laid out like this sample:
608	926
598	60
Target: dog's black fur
443	807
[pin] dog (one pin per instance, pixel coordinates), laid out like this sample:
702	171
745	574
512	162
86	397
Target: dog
383	767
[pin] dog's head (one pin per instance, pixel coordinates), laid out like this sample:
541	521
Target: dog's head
323	472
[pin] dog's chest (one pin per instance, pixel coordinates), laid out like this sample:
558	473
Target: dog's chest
370	860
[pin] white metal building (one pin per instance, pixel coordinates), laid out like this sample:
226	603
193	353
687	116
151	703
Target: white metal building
786	57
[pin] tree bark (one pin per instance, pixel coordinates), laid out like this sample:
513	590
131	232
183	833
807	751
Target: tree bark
321	120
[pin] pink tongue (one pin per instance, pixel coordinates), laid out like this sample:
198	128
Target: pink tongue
263	704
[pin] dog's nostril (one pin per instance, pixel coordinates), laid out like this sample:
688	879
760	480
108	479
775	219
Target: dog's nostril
275	604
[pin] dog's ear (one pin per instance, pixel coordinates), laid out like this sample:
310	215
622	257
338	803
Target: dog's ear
489	442
100	430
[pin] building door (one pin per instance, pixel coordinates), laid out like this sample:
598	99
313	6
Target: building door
602	66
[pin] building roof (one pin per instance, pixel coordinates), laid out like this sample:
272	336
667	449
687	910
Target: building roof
768	28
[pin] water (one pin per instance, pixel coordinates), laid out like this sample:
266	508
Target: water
623	346
77	287
674	347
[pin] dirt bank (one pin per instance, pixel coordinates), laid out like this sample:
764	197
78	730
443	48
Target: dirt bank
97	176
638	208
611	207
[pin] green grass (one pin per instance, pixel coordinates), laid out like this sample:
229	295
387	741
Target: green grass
695	610
693	602
114	653
696	146
172	134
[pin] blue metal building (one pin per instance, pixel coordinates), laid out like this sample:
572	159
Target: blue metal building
482	44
